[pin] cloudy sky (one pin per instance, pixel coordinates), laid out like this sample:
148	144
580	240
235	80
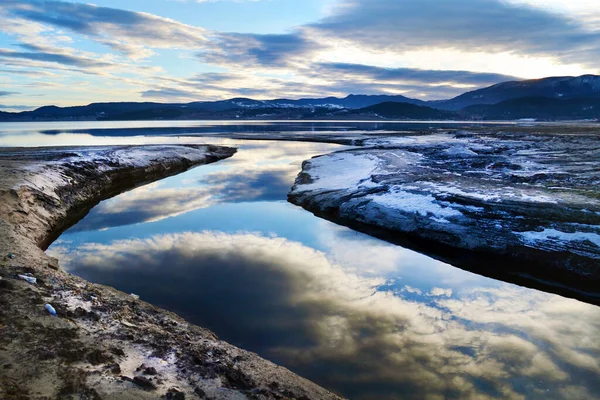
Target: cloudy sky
75	52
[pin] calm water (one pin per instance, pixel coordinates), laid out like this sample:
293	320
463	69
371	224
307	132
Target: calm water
138	132
220	246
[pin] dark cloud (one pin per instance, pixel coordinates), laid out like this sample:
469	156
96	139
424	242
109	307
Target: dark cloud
258	50
470	25
216	77
4	93
64	59
413	75
344	85
81	18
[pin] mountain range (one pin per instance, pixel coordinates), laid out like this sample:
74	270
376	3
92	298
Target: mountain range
555	98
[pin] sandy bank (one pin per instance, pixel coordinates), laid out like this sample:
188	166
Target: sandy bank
104	343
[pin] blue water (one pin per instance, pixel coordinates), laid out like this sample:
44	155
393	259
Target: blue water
221	246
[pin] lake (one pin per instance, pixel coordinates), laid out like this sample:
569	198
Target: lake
221	246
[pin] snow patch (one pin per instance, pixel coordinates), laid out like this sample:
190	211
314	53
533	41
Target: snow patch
415	203
341	171
533	237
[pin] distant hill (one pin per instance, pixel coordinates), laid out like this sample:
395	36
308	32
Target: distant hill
568	87
202	110
358	101
90	112
540	108
352	101
557	98
395	110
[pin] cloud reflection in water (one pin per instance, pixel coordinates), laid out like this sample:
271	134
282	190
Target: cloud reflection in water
260	171
346	324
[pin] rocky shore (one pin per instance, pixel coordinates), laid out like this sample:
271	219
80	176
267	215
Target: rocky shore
516	204
104	344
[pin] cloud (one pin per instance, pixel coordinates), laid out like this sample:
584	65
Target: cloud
129	32
294	305
27	73
4	93
238	179
59	58
471	25
243	186
170	94
323	79
242	49
438	42
145	204
411	75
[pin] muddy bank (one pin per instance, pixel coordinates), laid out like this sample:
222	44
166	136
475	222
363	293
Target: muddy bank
104	343
519	206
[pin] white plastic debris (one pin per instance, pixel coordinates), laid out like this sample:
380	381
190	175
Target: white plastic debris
128	324
50	309
28	278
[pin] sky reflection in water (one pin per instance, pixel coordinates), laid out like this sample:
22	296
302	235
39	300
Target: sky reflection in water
221	246
84	133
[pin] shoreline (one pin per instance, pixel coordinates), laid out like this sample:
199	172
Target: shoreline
105	343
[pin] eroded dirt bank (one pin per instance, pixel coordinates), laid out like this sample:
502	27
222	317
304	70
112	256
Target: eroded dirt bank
104	344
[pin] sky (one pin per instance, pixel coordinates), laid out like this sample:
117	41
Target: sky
75	52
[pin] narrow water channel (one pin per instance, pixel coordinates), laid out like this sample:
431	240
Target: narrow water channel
220	246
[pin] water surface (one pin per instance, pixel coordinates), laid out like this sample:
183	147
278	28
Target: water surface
220	246
148	132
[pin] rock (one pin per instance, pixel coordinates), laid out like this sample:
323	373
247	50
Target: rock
53	264
80	313
200	392
144	383
93	316
150	371
6	285
97	357
115	369
117	351
175	394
